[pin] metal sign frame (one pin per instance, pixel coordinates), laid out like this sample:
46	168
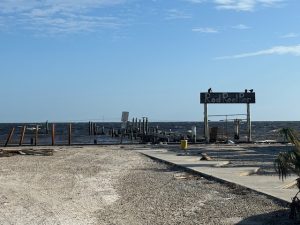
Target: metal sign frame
227	98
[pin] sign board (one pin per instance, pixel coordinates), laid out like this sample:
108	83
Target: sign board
125	116
227	97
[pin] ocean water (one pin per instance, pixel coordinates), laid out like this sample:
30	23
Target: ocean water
264	130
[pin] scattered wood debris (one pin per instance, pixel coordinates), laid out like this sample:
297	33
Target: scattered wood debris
250	172
184	176
31	151
290	185
205	157
220	164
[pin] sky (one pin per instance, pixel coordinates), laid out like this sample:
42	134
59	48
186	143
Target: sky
75	60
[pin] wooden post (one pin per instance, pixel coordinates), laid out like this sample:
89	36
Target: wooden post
53	134
206	127
122	135
112	132
140	126
36	135
143	126
146	126
9	137
136	123
95	129
47	127
249	123
22	135
91	129
70	133
131	134
90	124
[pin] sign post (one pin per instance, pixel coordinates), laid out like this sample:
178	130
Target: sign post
249	123
206	127
227	98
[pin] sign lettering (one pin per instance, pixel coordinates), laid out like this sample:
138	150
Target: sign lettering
227	97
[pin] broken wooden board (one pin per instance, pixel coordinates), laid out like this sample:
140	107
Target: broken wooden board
31	151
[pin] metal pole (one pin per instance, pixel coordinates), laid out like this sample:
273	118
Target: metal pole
249	123
206	127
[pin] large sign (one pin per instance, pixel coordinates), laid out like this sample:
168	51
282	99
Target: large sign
227	97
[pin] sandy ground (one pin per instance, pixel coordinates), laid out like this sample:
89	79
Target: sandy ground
114	185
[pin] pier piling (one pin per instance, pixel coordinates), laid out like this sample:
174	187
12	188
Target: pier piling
36	135
9	137
53	134
70	134
22	135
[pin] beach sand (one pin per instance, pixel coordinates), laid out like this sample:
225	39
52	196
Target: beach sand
115	185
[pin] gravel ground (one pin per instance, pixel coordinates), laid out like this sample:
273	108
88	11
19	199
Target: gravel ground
109	185
155	193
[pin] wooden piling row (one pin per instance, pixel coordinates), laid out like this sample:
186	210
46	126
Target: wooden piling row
137	129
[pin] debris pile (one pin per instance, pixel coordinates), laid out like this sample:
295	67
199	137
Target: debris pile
205	157
31	151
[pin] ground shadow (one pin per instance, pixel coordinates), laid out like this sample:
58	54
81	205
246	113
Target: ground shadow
280	217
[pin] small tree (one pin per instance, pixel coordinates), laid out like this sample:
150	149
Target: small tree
287	163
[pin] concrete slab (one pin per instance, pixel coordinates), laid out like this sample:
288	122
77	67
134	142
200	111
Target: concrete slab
269	185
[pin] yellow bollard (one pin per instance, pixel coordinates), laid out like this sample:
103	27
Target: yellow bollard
184	144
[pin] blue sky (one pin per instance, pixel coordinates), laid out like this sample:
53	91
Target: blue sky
64	60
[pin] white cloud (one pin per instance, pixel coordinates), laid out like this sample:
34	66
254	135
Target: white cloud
64	5
290	35
205	30
177	14
195	1
59	16
241	27
245	5
277	50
